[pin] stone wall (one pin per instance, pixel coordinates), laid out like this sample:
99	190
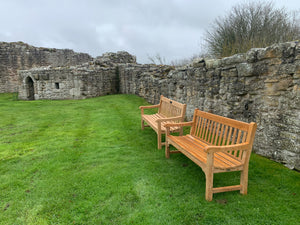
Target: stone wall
262	85
79	82
95	78
17	55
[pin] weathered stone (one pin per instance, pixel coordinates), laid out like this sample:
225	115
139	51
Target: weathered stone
66	83
238	58
198	62
251	55
213	63
297	50
283	85
43	76
110	58
36	76
20	56
229	73
287	69
261	86
245	69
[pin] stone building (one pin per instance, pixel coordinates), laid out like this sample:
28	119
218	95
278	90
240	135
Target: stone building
16	56
95	78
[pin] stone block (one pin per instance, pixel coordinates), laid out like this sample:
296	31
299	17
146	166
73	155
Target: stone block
269	52
297	50
283	85
296	90
251	55
36	76
245	70
44	76
287	69
198	62
237	58
229	73
213	63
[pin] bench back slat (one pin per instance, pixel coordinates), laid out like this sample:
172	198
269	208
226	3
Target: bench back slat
221	131
171	108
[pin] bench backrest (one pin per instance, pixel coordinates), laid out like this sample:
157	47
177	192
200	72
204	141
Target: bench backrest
171	108
220	131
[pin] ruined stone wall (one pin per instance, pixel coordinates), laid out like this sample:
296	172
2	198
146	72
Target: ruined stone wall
95	78
79	82
20	56
262	85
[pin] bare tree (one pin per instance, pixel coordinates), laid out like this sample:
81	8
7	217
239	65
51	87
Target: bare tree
157	59
250	25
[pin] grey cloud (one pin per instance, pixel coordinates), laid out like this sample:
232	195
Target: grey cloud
170	28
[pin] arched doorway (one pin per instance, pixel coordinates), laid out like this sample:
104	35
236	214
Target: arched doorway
30	88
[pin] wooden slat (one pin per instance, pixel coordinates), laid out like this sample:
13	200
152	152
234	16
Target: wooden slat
151	120
224	120
208	130
234	136
227	188
238	140
215	135
229	136
171	108
229	159
203	121
225	136
196	148
175	103
220	134
244	137
197	125
212	131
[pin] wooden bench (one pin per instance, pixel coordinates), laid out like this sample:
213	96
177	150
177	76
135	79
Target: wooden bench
168	111
217	144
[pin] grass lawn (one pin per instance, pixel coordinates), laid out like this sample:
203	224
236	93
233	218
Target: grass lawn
88	162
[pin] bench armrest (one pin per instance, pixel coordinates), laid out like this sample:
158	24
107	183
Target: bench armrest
147	107
213	149
183	124
169	119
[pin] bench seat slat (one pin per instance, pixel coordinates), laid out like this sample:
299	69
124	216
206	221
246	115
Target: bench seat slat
196	148
151	120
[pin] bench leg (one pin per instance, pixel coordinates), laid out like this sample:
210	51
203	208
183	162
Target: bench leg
209	175
142	124
244	181
167	149
159	140
209	186
181	131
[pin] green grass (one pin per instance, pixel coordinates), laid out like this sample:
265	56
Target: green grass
88	162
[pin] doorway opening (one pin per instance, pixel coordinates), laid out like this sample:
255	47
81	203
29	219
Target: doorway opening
30	88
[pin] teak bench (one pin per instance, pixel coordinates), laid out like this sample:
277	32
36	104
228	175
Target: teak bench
217	144
169	111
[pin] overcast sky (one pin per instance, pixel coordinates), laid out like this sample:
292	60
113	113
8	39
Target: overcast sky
172	29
